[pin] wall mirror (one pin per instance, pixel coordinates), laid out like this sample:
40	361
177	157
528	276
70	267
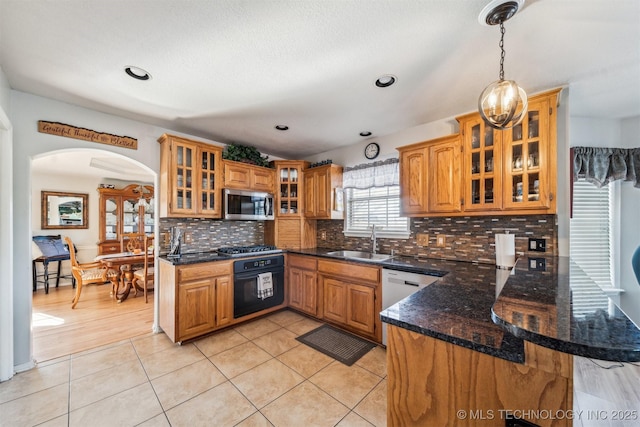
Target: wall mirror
64	210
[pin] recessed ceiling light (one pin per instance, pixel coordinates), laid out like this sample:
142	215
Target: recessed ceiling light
137	73
365	133
282	127
386	80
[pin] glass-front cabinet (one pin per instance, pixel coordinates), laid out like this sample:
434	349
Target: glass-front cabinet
289	178
526	183
482	166
122	211
512	170
190	178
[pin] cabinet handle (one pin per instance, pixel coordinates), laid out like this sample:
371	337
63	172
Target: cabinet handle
551	197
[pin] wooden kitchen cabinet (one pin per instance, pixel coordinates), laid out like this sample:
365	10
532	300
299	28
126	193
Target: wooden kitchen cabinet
351	296
319	194
290	229
430	177
303	283
195	299
512	171
120	212
243	176
190	178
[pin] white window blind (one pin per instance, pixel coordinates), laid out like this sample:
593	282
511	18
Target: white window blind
591	245
377	205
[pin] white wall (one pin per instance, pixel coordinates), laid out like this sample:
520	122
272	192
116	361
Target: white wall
6	233
28	143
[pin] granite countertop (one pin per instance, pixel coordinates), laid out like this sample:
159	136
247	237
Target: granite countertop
200	257
465	307
542	307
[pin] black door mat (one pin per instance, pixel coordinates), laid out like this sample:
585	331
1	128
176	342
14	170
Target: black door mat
342	346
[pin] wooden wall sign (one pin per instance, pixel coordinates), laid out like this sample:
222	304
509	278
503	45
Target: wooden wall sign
61	129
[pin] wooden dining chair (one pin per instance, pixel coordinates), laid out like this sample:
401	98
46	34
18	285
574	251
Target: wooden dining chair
86	273
144	278
131	242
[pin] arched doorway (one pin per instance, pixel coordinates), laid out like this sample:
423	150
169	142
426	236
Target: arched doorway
80	171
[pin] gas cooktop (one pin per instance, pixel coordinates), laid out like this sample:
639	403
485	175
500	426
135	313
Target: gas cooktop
238	251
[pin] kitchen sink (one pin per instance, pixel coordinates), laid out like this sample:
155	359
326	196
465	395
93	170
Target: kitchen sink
366	256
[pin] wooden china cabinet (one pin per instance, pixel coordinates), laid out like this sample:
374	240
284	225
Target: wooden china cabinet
190	178
291	229
121	212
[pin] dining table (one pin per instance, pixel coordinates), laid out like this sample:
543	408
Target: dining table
122	263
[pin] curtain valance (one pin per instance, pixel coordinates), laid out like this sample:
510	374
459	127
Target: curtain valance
603	165
377	174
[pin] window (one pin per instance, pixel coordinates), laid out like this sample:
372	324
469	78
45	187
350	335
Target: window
376	205
591	243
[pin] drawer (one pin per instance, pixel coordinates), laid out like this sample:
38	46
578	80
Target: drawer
304	262
203	271
354	271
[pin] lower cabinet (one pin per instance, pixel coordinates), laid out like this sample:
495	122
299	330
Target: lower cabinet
351	297
303	284
195	299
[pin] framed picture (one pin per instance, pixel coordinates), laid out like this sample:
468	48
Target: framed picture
64	210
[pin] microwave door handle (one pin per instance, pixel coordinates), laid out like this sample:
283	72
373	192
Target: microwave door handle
266	206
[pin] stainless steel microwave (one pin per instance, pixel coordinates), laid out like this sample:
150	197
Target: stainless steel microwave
248	205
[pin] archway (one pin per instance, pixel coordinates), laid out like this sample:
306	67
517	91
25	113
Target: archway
82	171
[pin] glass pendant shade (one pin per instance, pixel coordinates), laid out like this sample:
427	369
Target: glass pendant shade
503	104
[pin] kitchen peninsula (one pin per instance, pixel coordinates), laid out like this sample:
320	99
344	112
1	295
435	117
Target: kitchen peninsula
476	359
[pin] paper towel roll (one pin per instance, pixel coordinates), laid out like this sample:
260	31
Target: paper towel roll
505	250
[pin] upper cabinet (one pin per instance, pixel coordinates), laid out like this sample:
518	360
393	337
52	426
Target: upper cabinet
190	178
507	172
512	170
319	194
121	212
290	194
243	176
430	177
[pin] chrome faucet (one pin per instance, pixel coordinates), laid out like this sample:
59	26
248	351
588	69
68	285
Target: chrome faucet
373	239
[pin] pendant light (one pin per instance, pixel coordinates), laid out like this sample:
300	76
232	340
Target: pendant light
502	104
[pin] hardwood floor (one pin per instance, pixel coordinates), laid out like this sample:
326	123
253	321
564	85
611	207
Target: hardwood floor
97	320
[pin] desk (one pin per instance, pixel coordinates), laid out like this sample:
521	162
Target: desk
120	283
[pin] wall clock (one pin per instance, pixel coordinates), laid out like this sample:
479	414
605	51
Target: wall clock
371	151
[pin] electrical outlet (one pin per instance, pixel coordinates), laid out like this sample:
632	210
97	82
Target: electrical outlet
165	237
323	235
537	245
537	264
188	237
422	239
441	241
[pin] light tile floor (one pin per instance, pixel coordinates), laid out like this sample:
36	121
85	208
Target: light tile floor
255	374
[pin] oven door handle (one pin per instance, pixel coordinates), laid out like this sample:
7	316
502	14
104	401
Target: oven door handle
254	273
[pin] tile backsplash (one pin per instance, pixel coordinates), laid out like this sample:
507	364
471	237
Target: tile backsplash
207	235
466	238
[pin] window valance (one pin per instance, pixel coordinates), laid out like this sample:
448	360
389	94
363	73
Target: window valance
603	165
377	174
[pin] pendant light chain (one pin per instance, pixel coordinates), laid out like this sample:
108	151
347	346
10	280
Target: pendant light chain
502	30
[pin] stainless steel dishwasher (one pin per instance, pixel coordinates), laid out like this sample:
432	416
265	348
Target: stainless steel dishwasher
397	285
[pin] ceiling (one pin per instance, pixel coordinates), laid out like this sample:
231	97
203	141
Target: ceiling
230	70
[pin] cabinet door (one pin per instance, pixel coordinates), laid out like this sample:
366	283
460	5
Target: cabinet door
310	210
444	176
289	201
183	195
110	212
196	308
335	300
482	166
237	176
310	292
296	286
323	194
527	166
210	191
413	181
360	307
262	180
224	300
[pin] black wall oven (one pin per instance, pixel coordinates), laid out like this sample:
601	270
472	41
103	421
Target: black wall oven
246	298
